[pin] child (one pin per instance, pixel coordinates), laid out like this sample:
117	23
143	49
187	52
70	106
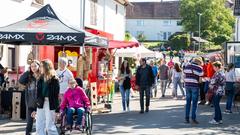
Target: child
75	100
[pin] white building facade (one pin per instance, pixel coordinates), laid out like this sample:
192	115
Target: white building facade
157	21
153	29
103	15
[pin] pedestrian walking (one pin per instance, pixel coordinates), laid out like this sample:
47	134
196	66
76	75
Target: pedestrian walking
210	73
229	88
155	74
124	77
64	75
203	85
47	103
177	77
164	76
216	85
170	66
192	71
29	81
144	80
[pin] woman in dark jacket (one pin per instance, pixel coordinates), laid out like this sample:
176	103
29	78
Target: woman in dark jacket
29	81
47	99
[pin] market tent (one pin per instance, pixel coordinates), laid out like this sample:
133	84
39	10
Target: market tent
114	44
136	52
45	28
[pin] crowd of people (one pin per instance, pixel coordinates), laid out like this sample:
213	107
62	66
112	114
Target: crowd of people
196	77
50	92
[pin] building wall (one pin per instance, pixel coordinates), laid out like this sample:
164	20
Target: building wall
108	19
153	29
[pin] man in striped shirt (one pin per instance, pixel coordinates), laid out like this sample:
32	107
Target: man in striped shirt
193	72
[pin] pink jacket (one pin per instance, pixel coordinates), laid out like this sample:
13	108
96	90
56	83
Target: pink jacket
75	98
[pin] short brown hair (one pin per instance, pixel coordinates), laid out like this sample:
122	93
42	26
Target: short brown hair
217	64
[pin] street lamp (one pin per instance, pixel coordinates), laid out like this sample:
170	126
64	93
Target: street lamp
199	30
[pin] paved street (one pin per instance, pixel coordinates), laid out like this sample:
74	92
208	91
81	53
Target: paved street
165	117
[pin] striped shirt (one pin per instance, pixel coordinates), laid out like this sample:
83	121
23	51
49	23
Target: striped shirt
192	74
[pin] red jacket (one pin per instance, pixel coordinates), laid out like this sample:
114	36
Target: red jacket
210	70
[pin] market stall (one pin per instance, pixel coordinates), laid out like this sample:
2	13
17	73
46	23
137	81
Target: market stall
45	28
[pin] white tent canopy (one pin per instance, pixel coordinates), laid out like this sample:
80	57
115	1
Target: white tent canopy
135	52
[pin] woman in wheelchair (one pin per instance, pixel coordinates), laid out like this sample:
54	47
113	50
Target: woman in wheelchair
74	102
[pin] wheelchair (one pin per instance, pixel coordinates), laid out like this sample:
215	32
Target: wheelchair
86	126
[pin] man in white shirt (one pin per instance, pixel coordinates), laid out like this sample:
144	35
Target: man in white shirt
64	75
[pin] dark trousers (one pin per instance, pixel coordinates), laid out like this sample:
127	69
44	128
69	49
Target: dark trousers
146	90
202	92
216	103
230	92
29	121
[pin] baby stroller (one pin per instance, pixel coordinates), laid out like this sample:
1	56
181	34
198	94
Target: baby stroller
86	126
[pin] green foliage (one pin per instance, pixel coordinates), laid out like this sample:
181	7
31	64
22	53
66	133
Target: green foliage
128	36
179	42
151	45
217	21
141	37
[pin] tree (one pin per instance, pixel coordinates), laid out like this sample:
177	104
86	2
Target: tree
128	36
216	19
141	37
179	42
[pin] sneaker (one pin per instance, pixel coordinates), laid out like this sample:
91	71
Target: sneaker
195	122
220	122
175	98
128	109
187	121
214	122
78	127
202	103
228	111
141	112
68	127
183	98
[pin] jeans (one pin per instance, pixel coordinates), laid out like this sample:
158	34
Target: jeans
163	84
45	120
230	95
71	111
202	92
29	121
191	98
125	97
177	82
154	88
145	89
216	103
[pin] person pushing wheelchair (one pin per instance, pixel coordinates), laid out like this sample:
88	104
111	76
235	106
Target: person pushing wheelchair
75	101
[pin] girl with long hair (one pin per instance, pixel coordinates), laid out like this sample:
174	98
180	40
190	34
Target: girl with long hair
177	77
124	76
47	103
29	81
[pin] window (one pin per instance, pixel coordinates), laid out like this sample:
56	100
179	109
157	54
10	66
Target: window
93	12
169	34
164	35
179	23
166	22
11	58
140	22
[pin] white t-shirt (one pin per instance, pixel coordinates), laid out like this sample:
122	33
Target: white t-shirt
64	76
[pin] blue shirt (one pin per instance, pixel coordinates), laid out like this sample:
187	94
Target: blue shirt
155	70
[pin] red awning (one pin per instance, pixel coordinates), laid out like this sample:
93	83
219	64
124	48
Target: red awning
114	44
